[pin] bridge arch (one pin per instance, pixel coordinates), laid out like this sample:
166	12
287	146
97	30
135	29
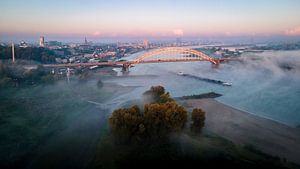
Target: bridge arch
182	54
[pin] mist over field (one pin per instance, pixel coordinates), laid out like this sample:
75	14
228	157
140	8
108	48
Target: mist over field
72	115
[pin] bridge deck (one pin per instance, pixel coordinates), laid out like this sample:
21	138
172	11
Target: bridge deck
133	62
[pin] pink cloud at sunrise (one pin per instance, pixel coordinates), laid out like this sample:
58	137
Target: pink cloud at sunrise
168	18
293	32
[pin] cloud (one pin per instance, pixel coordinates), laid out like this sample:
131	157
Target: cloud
293	32
97	33
178	32
228	33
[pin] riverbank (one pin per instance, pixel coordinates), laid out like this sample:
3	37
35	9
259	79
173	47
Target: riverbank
246	129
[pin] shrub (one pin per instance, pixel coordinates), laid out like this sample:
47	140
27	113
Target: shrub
198	118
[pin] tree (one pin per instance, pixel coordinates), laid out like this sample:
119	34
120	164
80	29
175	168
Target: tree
162	119
84	76
126	124
156	94
6	81
99	84
165	98
17	75
198	118
43	55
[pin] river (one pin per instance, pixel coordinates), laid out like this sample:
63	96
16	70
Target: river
266	84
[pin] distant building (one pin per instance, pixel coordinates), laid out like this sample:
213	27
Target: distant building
146	43
42	41
178	41
85	41
23	44
87	46
54	43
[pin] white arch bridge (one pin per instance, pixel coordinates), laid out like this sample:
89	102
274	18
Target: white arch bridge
171	54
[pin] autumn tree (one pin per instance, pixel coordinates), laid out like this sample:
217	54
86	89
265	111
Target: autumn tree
198	118
156	94
165	98
126	123
161	119
158	120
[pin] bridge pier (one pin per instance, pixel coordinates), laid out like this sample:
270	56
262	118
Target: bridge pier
125	67
216	62
215	65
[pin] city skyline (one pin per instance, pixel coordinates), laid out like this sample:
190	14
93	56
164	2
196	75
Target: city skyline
148	19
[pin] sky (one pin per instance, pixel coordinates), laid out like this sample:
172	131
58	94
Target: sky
148	19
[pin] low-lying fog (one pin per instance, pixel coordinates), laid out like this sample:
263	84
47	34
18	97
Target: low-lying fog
54	122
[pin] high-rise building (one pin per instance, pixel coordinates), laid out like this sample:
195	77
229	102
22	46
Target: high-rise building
146	43
42	41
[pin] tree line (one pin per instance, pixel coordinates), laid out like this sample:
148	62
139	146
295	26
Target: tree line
39	54
12	75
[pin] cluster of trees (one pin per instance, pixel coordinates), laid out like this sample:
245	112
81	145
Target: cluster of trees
282	46
159	118
42	55
14	75
150	126
83	74
157	94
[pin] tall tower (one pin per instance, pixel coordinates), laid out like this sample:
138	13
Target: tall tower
85	41
13	52
42	41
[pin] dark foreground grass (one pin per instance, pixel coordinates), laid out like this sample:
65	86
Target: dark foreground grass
185	150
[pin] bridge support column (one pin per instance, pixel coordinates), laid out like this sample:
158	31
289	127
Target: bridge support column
215	63
125	67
